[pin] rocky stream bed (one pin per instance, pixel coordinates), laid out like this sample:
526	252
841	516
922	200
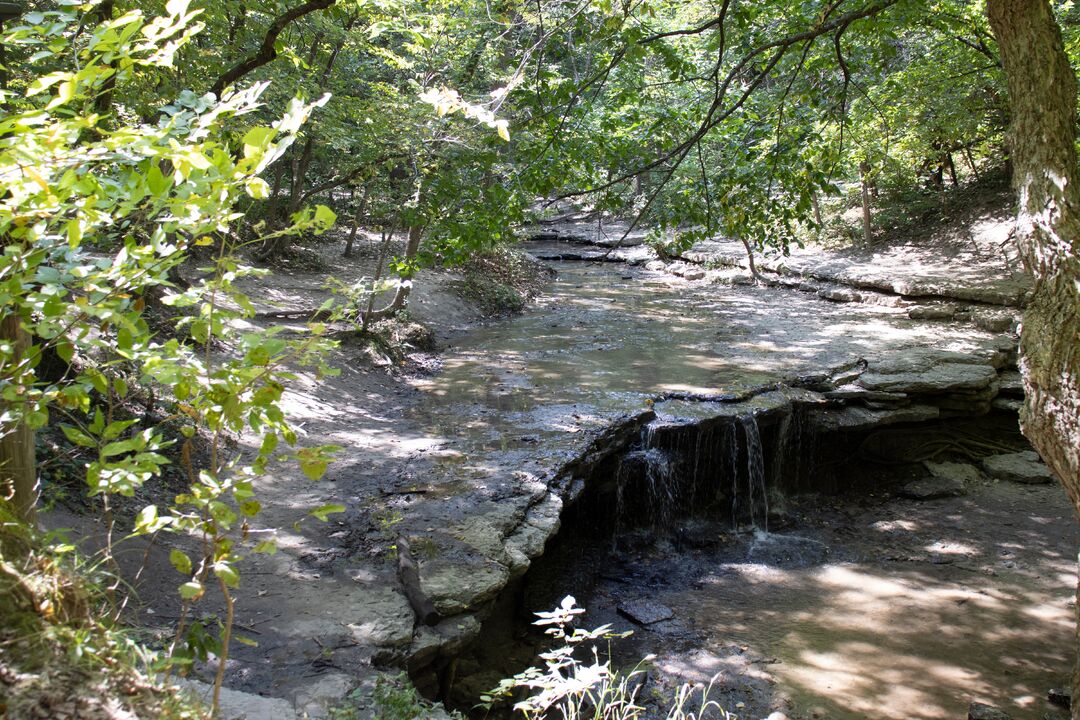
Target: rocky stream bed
821	491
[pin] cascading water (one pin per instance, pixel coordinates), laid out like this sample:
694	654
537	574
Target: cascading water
680	469
646	484
755	470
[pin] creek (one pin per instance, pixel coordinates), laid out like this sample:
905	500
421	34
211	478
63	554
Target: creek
758	513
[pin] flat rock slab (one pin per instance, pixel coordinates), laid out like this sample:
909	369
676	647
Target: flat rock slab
932	489
860	418
236	705
959	472
925	371
646	612
456	587
1022	467
382	617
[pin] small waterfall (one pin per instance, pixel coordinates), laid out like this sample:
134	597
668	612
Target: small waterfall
755	469
733	470
783	449
677	470
646	485
661	486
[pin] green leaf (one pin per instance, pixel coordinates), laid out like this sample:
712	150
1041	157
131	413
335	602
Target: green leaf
192	590
257	140
227	573
269	547
180	561
156	181
323	512
74	233
324	217
66	351
243	640
314	466
77	436
147	521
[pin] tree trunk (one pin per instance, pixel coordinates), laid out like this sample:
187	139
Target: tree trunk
817	208
300	165
864	169
951	165
18	472
357	216
401	295
1042	91
971	164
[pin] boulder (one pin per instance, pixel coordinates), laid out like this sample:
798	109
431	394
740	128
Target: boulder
1061	697
963	473
982	711
946	479
458	586
1022	467
1007	404
931	489
1011	384
840	295
321	694
995	322
383	618
860	418
852	392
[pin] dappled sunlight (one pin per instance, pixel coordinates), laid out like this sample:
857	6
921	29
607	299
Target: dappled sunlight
965	600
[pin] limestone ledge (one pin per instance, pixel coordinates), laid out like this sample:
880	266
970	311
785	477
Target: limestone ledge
476	557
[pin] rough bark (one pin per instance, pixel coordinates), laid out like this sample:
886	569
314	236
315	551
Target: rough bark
1042	89
18	471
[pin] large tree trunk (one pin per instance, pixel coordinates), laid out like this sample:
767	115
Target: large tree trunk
18	472
1042	89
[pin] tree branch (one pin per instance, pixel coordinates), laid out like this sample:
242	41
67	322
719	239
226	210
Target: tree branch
266	51
714	115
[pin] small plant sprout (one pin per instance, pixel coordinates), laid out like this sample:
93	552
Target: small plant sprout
570	687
